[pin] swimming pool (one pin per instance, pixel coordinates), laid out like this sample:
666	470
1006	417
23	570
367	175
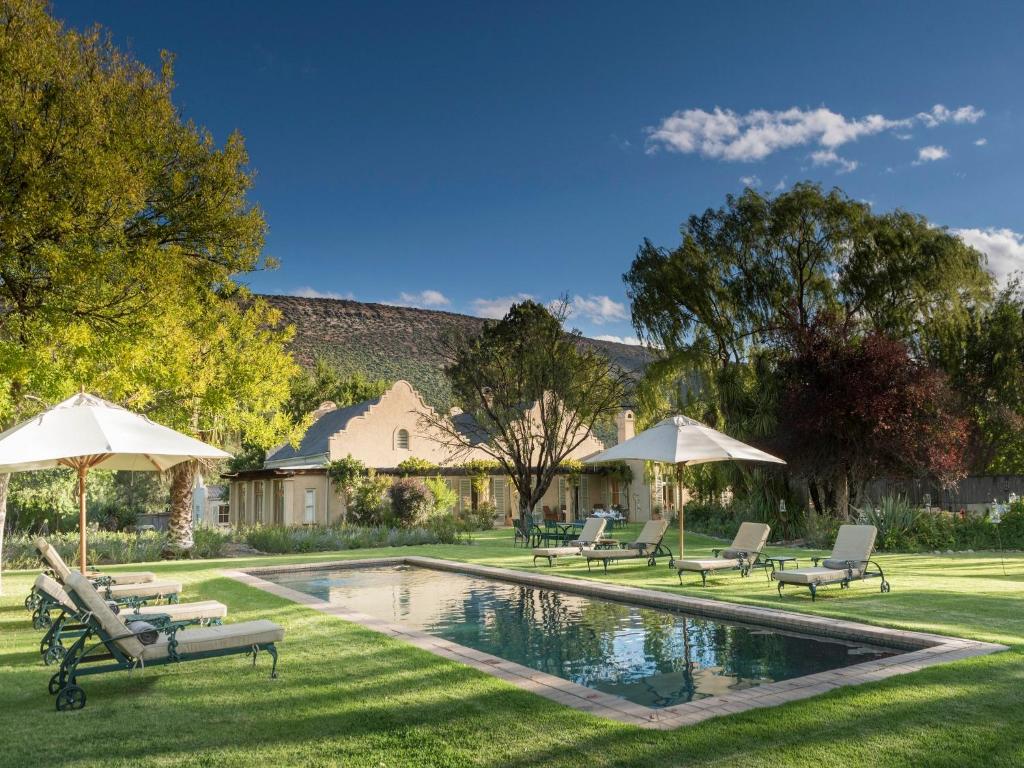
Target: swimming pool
650	656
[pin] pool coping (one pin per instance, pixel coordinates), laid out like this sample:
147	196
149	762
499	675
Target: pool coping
920	649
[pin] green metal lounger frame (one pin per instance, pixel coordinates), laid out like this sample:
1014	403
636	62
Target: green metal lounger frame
648	551
743	563
844	583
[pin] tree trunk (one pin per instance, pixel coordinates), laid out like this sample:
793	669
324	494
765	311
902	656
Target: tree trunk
179	526
525	514
5	482
842	495
812	488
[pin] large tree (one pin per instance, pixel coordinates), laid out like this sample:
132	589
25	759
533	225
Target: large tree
854	407
720	307
533	393
112	206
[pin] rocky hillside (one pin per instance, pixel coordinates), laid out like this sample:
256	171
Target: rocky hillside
395	342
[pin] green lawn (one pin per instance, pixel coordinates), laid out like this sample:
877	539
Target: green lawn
348	696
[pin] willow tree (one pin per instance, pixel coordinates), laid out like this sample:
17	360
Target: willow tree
530	393
746	276
110	204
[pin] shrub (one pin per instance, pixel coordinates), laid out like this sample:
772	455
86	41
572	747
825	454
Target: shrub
108	547
712	519
444	496
368	505
479	519
896	521
411	501
281	540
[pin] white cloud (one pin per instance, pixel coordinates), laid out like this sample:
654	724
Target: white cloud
904	136
727	135
496	309
427	298
940	114
829	157
1003	247
930	154
754	135
597	309
309	292
981	142
631	340
780	186
750	181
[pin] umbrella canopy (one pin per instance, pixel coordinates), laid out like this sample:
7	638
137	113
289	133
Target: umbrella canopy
86	432
684	442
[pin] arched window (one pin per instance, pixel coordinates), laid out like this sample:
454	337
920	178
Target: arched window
402	440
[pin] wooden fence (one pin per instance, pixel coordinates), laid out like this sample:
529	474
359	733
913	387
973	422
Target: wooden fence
972	490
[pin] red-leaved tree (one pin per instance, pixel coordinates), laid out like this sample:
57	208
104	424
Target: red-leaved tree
858	406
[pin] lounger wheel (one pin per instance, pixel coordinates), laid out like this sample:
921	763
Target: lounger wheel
30	602
41	619
885	587
53	654
55	684
70	698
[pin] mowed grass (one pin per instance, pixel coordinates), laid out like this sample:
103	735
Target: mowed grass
348	696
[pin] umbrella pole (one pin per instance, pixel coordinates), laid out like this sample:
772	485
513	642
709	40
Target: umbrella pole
682	514
81	517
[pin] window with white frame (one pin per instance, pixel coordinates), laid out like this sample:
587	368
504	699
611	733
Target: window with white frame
309	511
223	514
257	502
402	440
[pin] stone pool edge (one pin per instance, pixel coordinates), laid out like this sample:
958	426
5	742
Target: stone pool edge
921	649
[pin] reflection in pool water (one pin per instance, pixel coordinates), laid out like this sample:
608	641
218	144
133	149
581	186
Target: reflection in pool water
650	656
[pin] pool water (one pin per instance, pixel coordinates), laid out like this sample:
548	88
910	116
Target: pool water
650	656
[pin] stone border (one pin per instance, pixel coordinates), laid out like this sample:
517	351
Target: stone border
920	649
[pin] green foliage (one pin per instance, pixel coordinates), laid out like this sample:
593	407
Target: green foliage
411	501
368	503
895	518
345	473
479	519
285	540
324	382
445	497
534	391
480	471
415	466
109	547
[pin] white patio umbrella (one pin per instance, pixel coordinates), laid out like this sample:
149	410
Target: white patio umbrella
86	432
682	441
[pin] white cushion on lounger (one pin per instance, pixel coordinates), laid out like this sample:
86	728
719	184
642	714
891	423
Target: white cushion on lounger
556	551
86	593
147	589
206	639
56	562
711	564
45	584
853	544
202	609
614	554
814	575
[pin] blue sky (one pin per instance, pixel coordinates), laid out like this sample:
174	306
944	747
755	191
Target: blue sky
458	155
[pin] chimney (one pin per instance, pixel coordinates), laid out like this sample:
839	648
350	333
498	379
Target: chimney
624	424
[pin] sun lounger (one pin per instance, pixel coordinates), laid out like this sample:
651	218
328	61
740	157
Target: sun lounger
134	577
850	561
741	555
130	593
590	536
647	547
69	621
110	644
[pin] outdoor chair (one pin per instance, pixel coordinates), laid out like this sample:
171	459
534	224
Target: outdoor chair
742	555
850	561
134	577
132	593
647	547
590	536
69	622
110	644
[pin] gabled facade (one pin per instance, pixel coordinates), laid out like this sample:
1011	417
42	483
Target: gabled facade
293	488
